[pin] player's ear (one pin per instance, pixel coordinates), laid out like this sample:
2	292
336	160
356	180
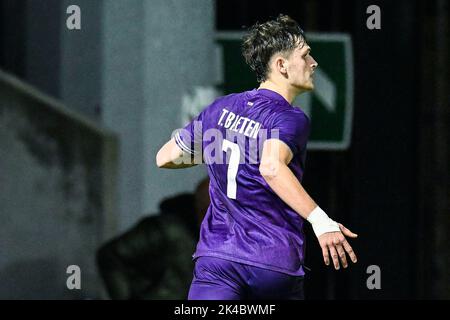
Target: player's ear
281	65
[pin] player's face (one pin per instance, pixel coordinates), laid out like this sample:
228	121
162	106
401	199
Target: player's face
300	68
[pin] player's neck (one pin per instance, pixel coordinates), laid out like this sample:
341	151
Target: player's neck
285	92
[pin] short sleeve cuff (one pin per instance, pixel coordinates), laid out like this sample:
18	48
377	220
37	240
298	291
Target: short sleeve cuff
180	143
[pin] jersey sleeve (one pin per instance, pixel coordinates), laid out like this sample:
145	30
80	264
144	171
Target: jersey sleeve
292	128
189	138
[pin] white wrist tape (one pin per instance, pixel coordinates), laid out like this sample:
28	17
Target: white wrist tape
321	223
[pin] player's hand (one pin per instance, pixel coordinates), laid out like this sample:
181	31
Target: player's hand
335	244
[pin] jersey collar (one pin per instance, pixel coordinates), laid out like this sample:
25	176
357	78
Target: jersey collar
272	95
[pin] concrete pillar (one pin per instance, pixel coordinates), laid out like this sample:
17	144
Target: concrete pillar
42	58
81	63
178	57
153	53
123	97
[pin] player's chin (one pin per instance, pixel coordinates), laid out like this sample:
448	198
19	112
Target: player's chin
308	86
304	87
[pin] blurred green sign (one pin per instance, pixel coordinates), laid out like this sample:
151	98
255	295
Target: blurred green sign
329	106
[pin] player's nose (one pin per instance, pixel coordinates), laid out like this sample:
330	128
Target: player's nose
314	64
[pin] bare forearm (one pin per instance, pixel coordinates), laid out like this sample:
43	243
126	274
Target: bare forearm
284	183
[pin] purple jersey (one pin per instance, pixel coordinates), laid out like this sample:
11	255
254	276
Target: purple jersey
246	221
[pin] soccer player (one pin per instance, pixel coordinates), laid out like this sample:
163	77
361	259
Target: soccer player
254	145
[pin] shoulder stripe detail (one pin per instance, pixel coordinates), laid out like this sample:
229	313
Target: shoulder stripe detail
181	144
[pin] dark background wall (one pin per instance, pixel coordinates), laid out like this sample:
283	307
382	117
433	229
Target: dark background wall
12	37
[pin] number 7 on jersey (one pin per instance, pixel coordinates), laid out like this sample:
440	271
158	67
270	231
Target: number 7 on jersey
232	166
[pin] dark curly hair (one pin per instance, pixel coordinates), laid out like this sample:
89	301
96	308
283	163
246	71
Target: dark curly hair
281	35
